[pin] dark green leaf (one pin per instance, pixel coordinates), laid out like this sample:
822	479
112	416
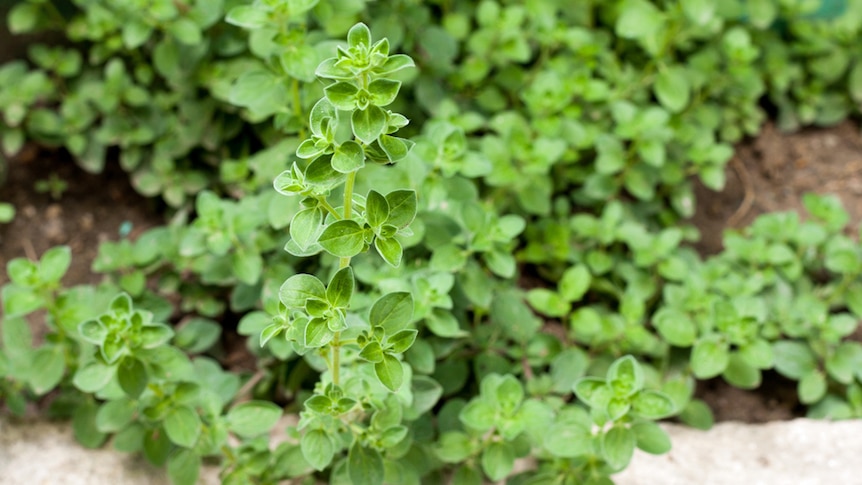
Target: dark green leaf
399	342
342	95
132	376
372	352
340	288
793	359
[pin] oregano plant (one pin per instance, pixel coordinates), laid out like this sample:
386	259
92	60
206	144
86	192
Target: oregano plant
350	127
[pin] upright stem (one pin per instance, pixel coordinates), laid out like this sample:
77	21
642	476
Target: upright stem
343	263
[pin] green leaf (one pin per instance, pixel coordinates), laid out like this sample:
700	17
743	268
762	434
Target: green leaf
395	63
22	18
247	265
793	359
299	61
153	336
650	437
342	95
709	358
317	333
697	415
625	376
54	263
305	227
368	124
390	250
20	301
652	404
454	447
675	326
574	283
402	340
132	376
247	16
297	289
348	157
548	302
47	369
376	209
569	440
183	426
383	91
84	426
402	207
701	12
812	387
186	31
7	212
197	335
443	323
673	89
93	331
93	376
184	467
842	362
359	35
395	148
372	352
638	19
340	288
740	374
618	447
390	372
854	82
343	239
392	311
115	415
317	449
253	418
364	465
497	460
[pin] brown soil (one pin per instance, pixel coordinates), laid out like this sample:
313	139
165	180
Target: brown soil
772	173
767	174
89	211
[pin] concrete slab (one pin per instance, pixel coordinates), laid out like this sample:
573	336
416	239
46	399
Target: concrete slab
799	452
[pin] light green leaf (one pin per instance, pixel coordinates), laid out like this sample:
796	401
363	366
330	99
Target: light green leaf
348	157
389	249
115	415
372	352
47	369
318	333
402	207
368	124
497	460
618	447
297	289
672	88
359	35
383	91
793	359
547	302
392	311
652	404
343	239
650	437
340	288
574	283
401	340
299	61
247	16
709	358
183	426
342	95
317	449
675	326
93	376
812	387
569	440
625	376
54	263
376	209
253	418
390	372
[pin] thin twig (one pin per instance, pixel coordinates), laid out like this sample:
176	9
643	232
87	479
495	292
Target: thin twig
748	199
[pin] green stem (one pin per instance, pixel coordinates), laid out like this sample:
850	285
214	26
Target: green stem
297	107
323	203
348	209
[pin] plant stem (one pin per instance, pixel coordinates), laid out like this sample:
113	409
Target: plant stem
343	263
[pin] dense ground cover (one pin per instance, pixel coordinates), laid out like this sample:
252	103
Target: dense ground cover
484	237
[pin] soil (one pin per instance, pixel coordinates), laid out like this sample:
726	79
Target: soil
769	173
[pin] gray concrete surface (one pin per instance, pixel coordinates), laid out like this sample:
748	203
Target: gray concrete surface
800	452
